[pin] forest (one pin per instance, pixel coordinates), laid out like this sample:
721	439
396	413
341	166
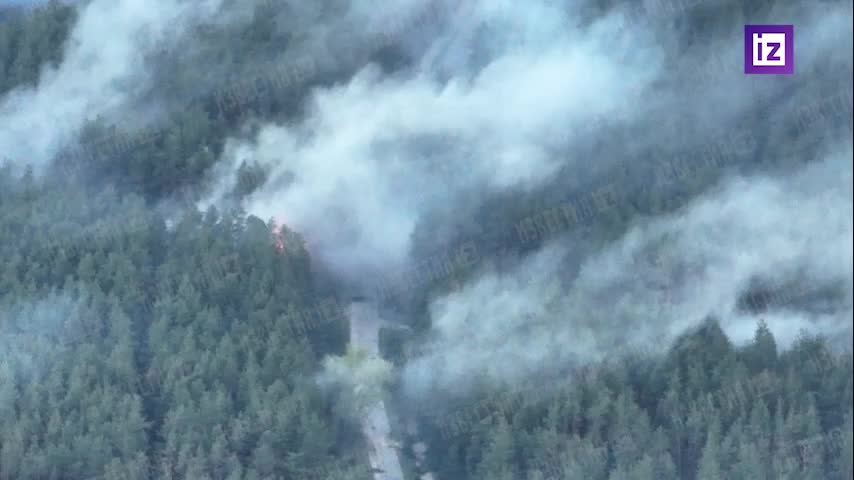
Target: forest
146	334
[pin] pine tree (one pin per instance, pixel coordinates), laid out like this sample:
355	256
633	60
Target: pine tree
498	456
749	466
710	466
763	351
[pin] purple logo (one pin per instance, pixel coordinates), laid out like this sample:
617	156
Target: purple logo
769	49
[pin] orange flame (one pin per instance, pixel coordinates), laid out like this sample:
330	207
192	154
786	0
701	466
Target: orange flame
278	237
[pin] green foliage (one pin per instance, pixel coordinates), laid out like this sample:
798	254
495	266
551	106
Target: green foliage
391	345
249	177
129	350
702	414
359	379
133	350
31	41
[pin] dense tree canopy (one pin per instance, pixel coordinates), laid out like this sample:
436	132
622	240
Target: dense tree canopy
129	350
141	338
707	410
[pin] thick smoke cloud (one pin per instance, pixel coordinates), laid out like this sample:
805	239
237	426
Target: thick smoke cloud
103	69
662	278
374	156
508	97
503	97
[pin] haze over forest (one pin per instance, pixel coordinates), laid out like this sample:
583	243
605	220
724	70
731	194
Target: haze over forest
584	243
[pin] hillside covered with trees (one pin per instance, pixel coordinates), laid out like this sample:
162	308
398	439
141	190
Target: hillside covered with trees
147	333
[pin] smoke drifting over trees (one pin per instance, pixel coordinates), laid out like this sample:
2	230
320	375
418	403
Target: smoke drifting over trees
647	229
503	101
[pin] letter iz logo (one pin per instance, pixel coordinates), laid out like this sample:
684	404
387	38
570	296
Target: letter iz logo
769	49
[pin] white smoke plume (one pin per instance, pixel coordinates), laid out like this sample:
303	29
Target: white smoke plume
32	336
375	155
497	101
505	97
103	68
358	380
511	96
660	279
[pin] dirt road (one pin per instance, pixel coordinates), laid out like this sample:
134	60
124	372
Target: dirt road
364	334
